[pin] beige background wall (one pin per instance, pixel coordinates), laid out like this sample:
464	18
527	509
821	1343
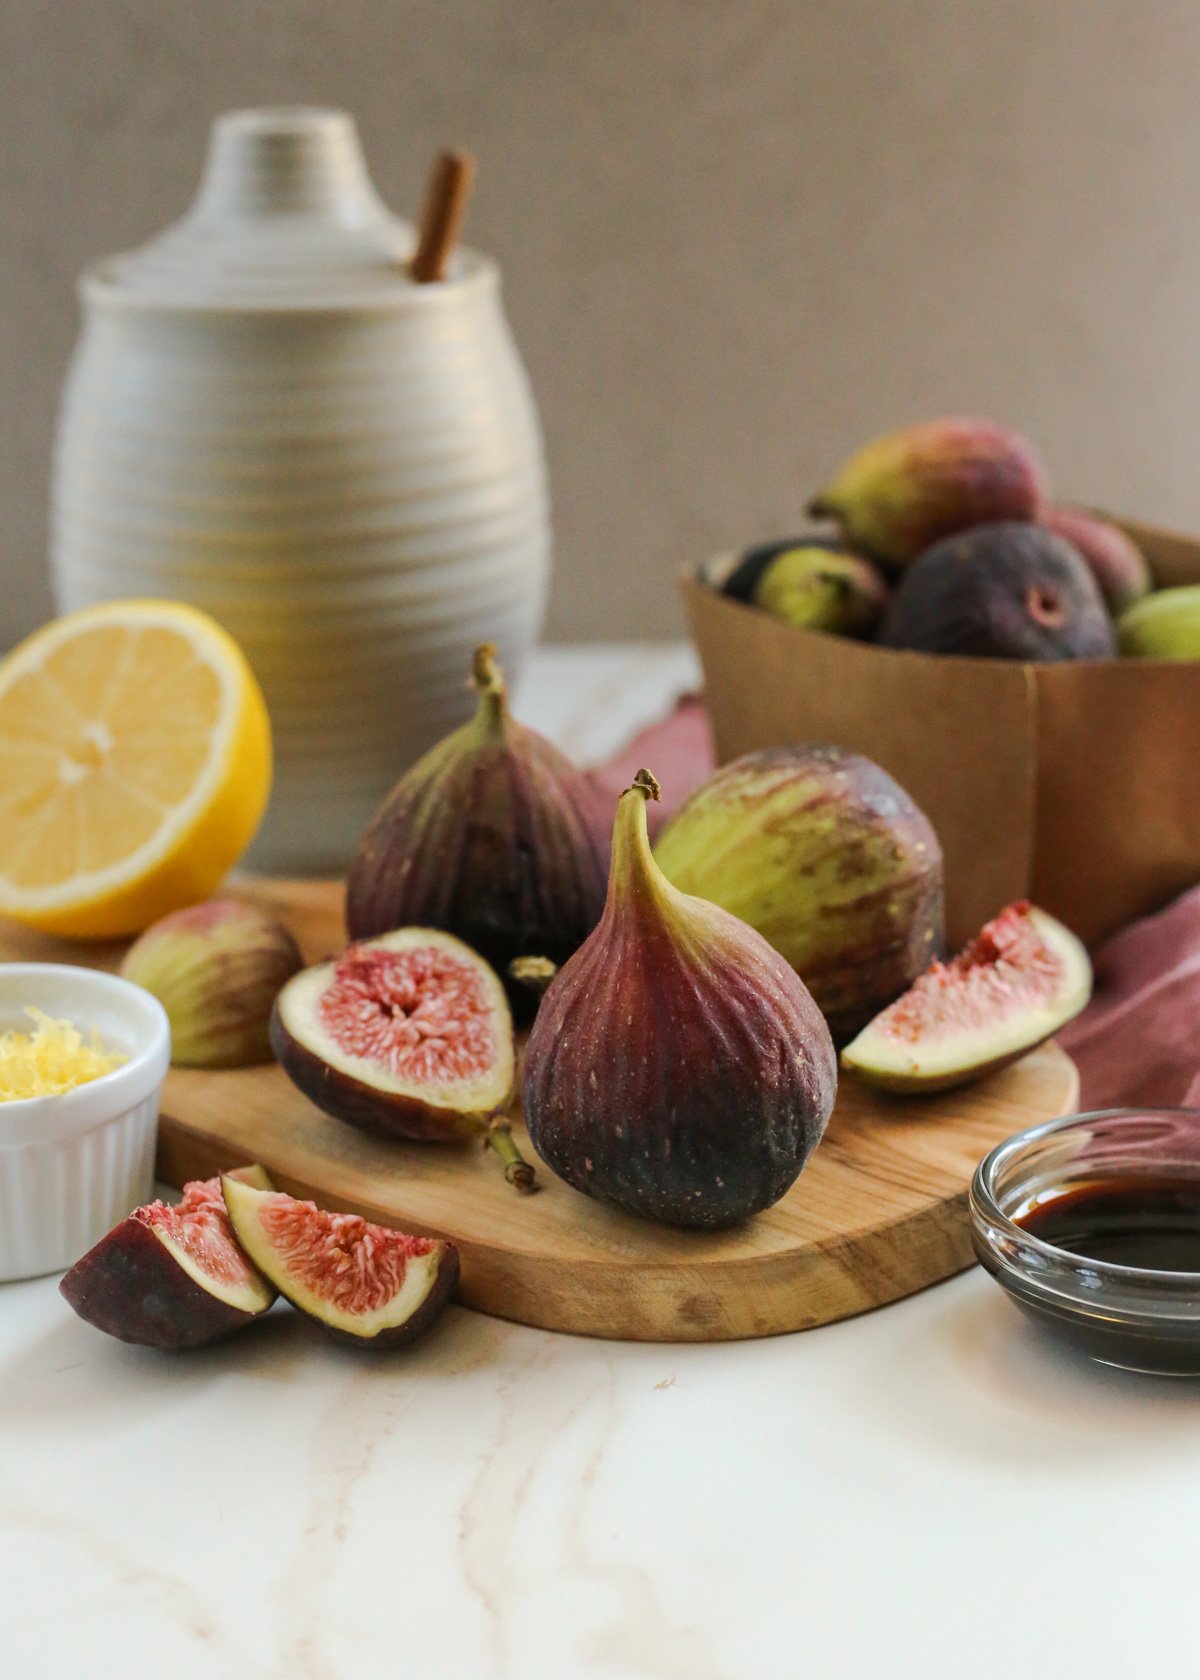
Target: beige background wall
738	236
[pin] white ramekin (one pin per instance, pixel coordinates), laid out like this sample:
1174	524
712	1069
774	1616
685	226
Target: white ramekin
72	1166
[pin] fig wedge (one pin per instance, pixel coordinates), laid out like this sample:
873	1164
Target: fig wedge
172	1277
1021	979
364	1284
408	1035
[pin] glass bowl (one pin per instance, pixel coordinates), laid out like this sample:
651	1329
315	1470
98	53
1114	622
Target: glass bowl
1131	1316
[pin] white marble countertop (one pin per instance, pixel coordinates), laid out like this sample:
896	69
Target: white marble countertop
932	1489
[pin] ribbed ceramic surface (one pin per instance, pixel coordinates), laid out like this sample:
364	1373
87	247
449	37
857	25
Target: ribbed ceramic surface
355	488
59	1198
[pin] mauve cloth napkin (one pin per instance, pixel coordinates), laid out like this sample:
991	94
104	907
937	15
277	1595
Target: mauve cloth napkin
678	753
1137	1042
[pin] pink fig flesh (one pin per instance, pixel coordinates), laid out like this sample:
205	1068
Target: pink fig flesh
364	1284
170	1277
408	1035
1021	978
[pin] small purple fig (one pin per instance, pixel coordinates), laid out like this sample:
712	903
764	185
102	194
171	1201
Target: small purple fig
678	1066
902	492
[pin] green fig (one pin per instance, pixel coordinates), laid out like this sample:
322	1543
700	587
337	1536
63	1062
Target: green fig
829	859
820	590
1115	561
1163	625
216	968
677	1066
902	492
741	582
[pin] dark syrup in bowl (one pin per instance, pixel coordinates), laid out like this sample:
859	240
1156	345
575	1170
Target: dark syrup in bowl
1091	1224
1150	1223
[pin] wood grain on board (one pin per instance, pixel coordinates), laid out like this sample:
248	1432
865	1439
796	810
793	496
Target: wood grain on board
879	1212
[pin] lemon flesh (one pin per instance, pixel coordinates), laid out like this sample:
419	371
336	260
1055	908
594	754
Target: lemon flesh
135	766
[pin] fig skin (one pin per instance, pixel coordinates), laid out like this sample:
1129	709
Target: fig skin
416	1113
216	968
905	491
131	1286
1165	625
829	859
746	575
1004	591
245	1204
491	836
1116	562
677	1066
816	589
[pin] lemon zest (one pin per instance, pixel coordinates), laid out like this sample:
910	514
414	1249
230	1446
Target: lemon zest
52	1059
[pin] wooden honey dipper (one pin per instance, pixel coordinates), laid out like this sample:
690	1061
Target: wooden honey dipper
442	214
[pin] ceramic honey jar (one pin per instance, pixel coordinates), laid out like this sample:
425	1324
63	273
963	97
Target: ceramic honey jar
268	417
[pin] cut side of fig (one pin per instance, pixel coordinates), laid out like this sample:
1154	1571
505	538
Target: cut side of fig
1021	979
408	1035
365	1284
171	1277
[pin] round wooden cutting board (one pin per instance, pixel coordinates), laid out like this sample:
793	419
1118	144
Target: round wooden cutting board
880	1211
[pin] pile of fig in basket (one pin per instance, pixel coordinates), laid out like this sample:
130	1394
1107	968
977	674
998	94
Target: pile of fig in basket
685	1002
943	538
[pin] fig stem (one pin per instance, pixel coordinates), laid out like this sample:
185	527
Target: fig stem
517	1170
633	873
534	972
486	674
645	783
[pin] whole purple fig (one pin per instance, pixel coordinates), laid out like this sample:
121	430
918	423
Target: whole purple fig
490	836
1005	591
678	1066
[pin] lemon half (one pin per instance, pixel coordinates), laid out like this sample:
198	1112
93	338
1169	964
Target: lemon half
135	766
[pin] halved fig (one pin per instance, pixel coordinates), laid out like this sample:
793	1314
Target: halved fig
1021	979
408	1035
172	1277
365	1284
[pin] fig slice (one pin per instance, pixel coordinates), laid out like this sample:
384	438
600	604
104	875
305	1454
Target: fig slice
172	1277
365	1284
407	1035
1021	979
